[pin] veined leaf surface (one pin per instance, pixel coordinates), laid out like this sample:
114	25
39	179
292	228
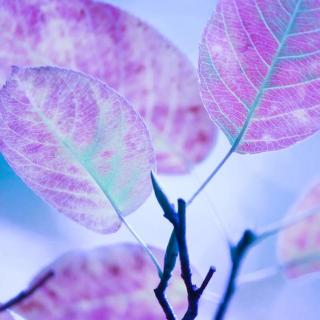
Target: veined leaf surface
122	51
76	143
299	245
114	282
260	72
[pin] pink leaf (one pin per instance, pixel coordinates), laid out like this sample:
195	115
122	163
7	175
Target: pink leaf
76	143
127	54
299	245
114	282
260	72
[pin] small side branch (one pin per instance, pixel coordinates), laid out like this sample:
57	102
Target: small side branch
27	293
238	253
179	239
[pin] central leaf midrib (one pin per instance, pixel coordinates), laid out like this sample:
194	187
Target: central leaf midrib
260	94
72	151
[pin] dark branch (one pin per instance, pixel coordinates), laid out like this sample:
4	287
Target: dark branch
28	292
206	280
178	220
238	253
169	264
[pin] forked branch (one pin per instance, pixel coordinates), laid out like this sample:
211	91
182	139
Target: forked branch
178	245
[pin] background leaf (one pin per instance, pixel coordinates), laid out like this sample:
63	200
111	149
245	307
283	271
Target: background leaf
299	245
122	51
76	143
259	69
114	282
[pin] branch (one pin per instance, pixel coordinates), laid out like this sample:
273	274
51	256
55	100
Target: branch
194	293
178	220
238	253
169	264
28	292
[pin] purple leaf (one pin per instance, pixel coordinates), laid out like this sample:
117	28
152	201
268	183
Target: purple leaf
259	70
299	245
127	54
114	282
76	143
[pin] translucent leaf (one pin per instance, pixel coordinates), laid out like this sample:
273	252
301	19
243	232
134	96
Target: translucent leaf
127	54
299	245
76	143
114	282
260	72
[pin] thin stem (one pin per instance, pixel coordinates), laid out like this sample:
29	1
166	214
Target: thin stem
238	253
273	271
285	224
209	178
259	275
143	244
28	292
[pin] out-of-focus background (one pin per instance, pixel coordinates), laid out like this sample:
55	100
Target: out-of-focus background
250	191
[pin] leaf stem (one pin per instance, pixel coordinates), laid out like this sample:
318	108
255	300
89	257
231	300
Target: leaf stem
259	275
213	173
143	244
285	224
28	292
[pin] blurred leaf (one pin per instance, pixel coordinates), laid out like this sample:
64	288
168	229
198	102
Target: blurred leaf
299	245
114	282
124	52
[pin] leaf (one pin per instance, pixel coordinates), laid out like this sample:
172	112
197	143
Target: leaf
124	52
299	245
76	143
259	70
114	282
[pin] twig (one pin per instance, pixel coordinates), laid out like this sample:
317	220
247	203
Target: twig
248	240
238	253
211	176
259	275
178	220
286	223
28	292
